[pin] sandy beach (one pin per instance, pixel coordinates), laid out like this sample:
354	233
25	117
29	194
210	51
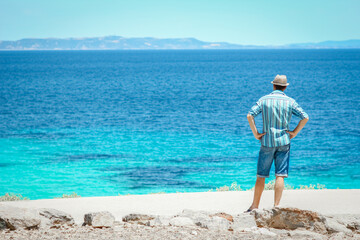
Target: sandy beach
325	202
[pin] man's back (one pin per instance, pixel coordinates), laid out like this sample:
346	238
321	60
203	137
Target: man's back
276	109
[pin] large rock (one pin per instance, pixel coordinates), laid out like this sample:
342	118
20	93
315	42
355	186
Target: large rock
290	218
99	219
54	218
14	218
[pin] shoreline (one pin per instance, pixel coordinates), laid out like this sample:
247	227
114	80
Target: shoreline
324	201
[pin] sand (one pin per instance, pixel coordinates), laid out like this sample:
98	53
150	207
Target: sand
324	201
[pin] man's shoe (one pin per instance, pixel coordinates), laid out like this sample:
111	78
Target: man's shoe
249	210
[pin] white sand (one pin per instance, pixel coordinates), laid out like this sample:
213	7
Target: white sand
232	202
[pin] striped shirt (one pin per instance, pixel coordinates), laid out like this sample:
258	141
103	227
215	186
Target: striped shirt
276	109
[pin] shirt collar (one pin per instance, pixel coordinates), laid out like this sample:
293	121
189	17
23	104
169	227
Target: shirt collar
278	92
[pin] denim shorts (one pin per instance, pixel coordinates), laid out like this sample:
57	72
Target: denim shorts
281	157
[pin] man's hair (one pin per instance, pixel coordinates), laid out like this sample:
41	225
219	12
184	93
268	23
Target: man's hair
278	87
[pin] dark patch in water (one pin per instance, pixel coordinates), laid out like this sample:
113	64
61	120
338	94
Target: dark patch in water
96	156
84	157
39	135
311	169
155	176
211	159
6	164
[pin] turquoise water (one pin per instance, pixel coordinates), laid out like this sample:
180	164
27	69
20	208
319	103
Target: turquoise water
116	122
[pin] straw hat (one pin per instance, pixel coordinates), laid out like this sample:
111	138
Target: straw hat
280	80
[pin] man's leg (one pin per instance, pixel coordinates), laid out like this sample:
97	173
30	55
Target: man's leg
282	157
265	160
279	187
259	188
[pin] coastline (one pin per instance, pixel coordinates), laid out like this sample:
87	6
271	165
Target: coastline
324	201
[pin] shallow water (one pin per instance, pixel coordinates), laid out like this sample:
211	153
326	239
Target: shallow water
116	122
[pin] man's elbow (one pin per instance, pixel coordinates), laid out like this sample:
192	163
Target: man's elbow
249	116
306	119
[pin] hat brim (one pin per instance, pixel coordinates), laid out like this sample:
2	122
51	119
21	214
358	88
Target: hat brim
279	84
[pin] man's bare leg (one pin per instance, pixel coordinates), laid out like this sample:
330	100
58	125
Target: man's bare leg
259	188
279	187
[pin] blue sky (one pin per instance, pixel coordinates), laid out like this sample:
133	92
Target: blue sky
256	22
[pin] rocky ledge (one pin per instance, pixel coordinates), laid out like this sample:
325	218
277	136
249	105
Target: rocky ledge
274	223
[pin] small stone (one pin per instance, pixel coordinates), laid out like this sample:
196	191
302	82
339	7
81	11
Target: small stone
99	219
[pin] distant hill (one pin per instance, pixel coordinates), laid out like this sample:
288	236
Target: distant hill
122	43
327	44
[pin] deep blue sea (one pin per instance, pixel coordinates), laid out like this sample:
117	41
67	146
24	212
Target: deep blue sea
115	122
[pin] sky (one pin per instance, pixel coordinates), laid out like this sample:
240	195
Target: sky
255	22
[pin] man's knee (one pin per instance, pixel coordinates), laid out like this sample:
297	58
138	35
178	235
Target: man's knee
260	180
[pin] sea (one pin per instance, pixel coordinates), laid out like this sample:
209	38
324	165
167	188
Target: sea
109	123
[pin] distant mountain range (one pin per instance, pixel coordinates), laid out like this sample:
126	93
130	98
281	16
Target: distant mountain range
122	43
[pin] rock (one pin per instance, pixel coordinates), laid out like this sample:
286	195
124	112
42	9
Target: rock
181	221
337	236
223	215
290	219
214	223
242	221
99	219
54	218
333	226
204	219
260	231
304	234
194	215
351	221
142	219
160	220
15	218
266	232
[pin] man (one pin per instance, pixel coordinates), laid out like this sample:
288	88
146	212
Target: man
276	109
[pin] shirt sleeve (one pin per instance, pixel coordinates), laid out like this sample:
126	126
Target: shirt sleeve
298	111
256	109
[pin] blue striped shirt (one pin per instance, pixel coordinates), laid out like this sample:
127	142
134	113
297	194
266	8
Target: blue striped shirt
276	109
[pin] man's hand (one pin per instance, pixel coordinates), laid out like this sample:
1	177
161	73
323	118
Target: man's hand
298	128
292	134
258	136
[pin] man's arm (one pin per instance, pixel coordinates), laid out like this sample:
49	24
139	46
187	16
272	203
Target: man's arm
299	112
251	120
298	128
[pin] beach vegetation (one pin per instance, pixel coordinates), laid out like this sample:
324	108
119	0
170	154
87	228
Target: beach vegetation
72	195
233	187
312	186
12	197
